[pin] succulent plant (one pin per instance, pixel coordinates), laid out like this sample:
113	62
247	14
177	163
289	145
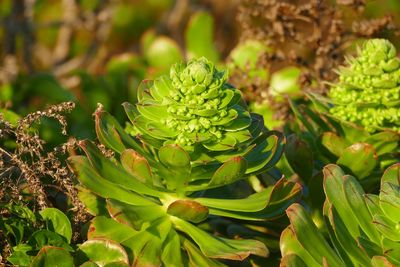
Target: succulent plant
368	91
363	228
154	192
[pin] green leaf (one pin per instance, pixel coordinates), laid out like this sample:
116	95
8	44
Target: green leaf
103	251
226	143
114	172
387	227
285	82
391	175
354	194
293	260
58	222
199	37
137	165
103	227
152	110
146	246
268	151
218	247
161	89
334	143
289	245
102	187
359	158
381	261
188	210
196	257
49	256
177	161
19	256
94	204
384	142
309	236
334	191
300	157
171	251
389	197
134	215
43	237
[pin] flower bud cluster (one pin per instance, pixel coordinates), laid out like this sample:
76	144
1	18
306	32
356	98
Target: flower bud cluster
199	88
368	92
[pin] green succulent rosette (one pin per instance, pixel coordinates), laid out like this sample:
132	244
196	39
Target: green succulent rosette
368	91
195	108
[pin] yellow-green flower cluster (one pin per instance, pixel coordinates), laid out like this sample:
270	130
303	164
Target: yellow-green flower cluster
192	106
368	92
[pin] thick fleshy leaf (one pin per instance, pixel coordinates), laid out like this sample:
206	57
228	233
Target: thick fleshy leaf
111	134
346	240
134	215
355	198
196	257
226	143
381	261
115	173
143	92
58	222
268	151
334	143
390	201
161	89
289	245
292	260
49	256
218	247
177	161
171	251
391	175
283	194
199	37
103	251
137	165
102	187
155	129
387	227
146	246
300	157
43	237
188	210
103	227
230	171
152	110
309	236
94	204
384	142
334	191
391	250
360	158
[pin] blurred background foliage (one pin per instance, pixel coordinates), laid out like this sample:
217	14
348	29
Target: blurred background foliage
92	51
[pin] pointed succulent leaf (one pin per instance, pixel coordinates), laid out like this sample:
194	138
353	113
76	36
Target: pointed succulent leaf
293	260
107	228
366	159
381	261
94	204
333	188
143	90
391	175
300	157
196	257
49	256
102	187
134	215
114	172
384	142
289	245
218	247
387	227
171	251
309	236
146	245
390	201
391	250
226	143
354	196
188	210
103	251
229	172
334	143
137	165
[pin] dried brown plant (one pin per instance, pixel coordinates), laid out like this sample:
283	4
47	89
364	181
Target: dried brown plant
311	34
29	171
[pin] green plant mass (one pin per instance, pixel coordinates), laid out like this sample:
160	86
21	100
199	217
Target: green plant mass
157	181
368	91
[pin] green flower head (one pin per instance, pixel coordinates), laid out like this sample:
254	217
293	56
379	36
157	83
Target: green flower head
193	106
368	92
